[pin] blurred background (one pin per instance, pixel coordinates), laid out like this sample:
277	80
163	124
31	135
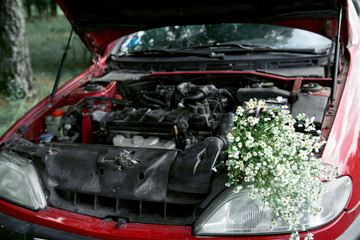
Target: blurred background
47	32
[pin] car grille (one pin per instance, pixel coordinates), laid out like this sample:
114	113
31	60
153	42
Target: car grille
131	210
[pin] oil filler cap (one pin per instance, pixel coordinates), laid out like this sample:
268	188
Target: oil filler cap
311	87
92	87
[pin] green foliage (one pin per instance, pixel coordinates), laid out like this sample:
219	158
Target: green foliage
47	38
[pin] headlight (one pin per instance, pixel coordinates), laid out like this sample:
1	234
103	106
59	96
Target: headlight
19	182
236	214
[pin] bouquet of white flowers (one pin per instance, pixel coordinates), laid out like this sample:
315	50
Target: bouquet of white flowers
268	155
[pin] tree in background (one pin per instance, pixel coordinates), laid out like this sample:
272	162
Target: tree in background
15	69
42	7
53	8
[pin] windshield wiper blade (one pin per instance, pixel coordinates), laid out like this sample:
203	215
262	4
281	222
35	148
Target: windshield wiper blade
237	47
220	50
229	45
169	52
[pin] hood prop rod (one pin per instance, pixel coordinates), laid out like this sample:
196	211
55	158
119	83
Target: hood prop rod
336	58
58	77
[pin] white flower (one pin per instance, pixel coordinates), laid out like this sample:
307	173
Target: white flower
249	144
237	189
276	162
250	106
240	110
303	155
230	137
261	103
273	225
310	236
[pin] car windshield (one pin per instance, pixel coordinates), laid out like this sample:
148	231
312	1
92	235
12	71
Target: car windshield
189	36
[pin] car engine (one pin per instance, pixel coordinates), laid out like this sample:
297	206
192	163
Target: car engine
145	152
168	117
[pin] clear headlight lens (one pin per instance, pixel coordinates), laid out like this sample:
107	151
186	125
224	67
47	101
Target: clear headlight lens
19	182
236	214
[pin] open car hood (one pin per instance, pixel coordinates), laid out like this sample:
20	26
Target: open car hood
100	22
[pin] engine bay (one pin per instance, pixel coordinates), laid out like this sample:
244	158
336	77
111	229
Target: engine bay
143	150
170	114
168	117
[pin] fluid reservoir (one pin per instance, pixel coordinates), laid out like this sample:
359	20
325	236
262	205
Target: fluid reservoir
52	122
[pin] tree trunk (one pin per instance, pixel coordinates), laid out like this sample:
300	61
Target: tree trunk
53	8
15	67
27	5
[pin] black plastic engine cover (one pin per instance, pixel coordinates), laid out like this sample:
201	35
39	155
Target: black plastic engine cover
192	169
135	173
126	173
139	174
318	106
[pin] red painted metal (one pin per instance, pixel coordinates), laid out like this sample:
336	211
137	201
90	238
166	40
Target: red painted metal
100	39
87	132
89	226
108	91
97	228
296	88
342	149
343	146
32	119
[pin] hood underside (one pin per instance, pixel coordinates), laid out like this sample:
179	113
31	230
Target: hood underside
99	23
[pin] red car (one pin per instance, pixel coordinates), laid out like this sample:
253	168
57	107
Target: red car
126	149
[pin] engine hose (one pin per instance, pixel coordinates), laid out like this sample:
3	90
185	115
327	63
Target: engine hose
75	137
191	98
84	101
153	100
227	94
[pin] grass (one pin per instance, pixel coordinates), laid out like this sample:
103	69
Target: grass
47	38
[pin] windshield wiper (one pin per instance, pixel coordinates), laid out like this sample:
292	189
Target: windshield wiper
174	53
229	45
237	47
219	51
